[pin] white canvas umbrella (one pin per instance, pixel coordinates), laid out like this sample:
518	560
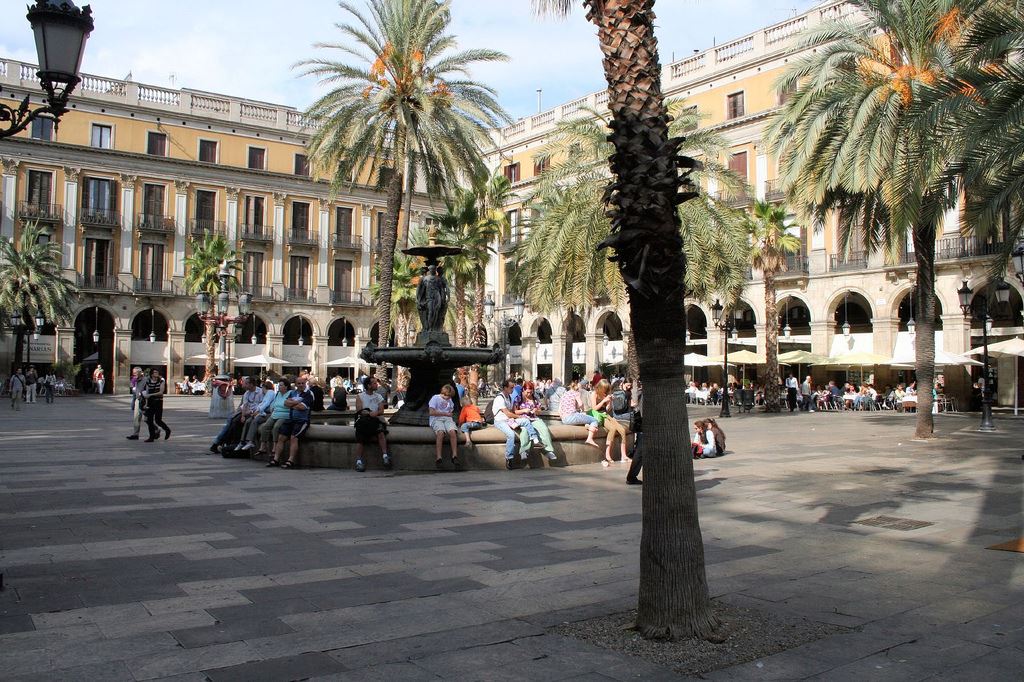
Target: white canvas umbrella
349	361
261	360
698	360
1009	348
942	359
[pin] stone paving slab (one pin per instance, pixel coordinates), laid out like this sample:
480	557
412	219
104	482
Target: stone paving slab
132	561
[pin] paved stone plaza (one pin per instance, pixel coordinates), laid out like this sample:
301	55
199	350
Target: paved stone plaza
134	561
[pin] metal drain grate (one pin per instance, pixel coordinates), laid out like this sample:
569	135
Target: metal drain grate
894	523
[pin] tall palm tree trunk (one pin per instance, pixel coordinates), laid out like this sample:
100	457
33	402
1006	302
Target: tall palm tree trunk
771	340
924	340
388	239
460	311
211	349
479	332
673	596
632	361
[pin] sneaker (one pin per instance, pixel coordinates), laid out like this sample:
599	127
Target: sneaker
213	448
536	440
387	461
360	466
634	481
551	455
510	464
134	436
606	464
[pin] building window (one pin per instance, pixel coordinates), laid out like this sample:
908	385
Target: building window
300	216
738	164
156	144
99	261
343	275
379	233
98	194
101	136
734	105
257	158
343	221
252	270
206	203
151	264
153	200
253	218
298	272
39	187
301	165
208	151
42	129
541	164
511	172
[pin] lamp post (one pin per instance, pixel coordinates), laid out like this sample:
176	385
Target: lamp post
61	30
965	294
216	313
504	323
727	324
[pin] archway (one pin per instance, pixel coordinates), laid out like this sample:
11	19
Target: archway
696	329
298	331
94	345
613	350
1005	323
341	333
375	330
514	335
854	310
149	322
254	328
195	330
907	311
794	324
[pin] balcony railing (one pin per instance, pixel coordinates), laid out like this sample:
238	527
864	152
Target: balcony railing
259	292
99	282
854	261
378	246
737	200
301	236
773	190
155	223
153	287
796	265
49	212
954	248
206	226
99	217
347	241
299	295
510	242
257	233
347	298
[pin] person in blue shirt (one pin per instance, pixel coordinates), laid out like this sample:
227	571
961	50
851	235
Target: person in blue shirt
299	402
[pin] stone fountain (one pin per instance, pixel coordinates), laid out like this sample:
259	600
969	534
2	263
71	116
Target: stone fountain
433	359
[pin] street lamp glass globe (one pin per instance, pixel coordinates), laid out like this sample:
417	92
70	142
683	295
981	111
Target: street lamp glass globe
716	311
1002	291
15	318
988	324
152	337
964	294
35	335
253	339
1018	256
787	331
61	30
203	302
846	329
911	326
489	307
40	320
96	336
734	334
519	307
244	303
302	341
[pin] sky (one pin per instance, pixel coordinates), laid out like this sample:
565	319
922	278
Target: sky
249	50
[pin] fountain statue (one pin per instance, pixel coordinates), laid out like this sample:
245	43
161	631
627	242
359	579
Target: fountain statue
433	359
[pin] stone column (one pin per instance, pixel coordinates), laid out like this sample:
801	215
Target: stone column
760	339
232	214
175	355
121	370
65	345
884	336
529	360
128	183
9	196
821	343
558	366
594	351
277	266
70	217
180	226
323	282
275	346
364	260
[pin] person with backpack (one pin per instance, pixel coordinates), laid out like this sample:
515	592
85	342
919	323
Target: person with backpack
16	384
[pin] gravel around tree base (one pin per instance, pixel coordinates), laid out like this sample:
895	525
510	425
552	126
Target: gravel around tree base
750	634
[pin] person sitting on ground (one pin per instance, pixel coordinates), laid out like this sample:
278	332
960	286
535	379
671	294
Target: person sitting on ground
276	414
570	407
528	409
612	426
442	407
719	435
299	402
470	418
697	439
370	427
709	445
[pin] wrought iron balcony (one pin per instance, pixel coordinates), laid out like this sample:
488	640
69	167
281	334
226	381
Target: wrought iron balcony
955	248
510	242
99	217
257	233
259	292
151	222
773	190
30	210
347	241
153	287
299	295
207	226
856	260
347	298
298	236
99	282
797	265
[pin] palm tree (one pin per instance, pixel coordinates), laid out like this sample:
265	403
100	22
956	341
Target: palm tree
645	238
405	108
460	214
770	243
202	270
850	141
406	275
492	194
31	282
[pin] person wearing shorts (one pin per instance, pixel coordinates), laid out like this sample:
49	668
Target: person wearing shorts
470	418
370	428
442	407
299	402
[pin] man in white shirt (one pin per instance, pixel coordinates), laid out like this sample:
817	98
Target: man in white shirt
505	420
792	386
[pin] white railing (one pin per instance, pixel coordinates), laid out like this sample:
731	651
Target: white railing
688	66
3	69
837	12
542	118
734	49
257	112
103	86
147	93
214	104
28	72
516	128
573	107
601	98
781	32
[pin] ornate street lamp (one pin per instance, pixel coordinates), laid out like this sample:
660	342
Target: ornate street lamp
152	325
1018	257
504	324
965	295
846	317
725	323
787	331
219	317
61	30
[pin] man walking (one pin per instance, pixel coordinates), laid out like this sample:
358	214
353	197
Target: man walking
792	387
99	379
17	386
49	383
31	379
805	393
137	383
153	391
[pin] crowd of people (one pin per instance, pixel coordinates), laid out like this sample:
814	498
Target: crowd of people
27	386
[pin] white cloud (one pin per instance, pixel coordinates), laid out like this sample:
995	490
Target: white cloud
249	51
